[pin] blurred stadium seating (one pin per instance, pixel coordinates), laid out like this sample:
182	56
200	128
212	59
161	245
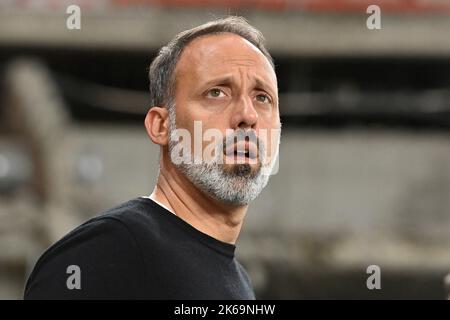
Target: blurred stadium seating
365	155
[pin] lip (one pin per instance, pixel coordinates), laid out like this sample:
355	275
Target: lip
244	146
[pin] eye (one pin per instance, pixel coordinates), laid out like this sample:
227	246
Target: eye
215	93
263	98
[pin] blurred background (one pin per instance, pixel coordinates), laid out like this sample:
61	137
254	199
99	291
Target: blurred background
364	175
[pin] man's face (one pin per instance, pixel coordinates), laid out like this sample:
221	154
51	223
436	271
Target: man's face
225	83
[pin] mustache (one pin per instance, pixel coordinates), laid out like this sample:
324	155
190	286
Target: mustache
239	135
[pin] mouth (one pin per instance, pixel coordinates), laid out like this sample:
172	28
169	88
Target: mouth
242	150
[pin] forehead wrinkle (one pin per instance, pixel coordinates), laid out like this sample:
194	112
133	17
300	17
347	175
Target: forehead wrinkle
238	61
207	60
260	81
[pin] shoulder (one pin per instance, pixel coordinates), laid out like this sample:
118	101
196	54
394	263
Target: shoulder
244	275
113	226
104	248
135	213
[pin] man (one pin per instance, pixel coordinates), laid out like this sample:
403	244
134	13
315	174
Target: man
179	242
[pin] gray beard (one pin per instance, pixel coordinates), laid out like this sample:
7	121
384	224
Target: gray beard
237	186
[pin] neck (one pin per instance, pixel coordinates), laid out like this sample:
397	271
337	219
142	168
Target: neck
220	221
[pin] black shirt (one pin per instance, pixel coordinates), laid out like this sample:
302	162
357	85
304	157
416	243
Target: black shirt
139	250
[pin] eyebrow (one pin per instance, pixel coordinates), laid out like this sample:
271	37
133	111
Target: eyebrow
227	80
220	80
261	84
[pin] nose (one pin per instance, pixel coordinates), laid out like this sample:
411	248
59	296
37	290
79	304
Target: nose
244	114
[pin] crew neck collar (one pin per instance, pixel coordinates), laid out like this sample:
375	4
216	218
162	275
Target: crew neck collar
222	247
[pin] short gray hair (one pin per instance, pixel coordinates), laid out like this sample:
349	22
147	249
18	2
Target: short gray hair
161	71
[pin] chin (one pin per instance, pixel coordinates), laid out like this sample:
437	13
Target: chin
243	169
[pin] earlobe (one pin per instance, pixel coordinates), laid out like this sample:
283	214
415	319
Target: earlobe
156	124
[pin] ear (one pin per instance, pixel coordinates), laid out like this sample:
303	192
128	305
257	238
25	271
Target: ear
157	125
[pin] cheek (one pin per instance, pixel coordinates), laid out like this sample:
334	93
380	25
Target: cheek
213	121
186	116
270	139
274	140
205	130
182	120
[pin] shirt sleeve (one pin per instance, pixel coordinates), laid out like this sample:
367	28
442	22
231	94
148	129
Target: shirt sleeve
98	260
